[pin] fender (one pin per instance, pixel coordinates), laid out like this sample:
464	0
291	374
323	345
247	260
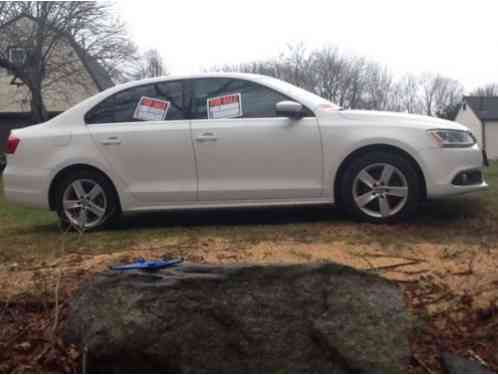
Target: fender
334	166
126	200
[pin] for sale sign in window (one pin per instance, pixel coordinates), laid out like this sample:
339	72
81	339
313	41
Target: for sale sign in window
226	106
150	109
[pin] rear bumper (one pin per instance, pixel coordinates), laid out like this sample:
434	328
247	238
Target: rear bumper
26	187
444	165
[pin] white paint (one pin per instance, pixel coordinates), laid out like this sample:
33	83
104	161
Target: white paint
271	158
227	162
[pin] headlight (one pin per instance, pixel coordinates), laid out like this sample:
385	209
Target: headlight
452	138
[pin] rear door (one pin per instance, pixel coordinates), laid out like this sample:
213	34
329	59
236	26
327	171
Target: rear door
144	134
244	151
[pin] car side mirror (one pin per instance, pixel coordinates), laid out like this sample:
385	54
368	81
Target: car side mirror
290	109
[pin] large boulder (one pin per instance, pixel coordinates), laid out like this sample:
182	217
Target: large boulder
197	318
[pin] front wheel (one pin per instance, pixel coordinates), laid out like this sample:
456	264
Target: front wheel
381	187
86	200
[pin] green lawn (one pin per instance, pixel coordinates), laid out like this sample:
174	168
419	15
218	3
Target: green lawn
28	235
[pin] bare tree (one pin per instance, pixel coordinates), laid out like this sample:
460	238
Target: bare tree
40	32
356	82
487	90
406	95
439	92
429	84
353	83
329	68
295	66
449	102
378	87
270	68
150	65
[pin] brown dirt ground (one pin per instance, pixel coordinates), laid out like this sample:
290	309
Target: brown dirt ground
453	291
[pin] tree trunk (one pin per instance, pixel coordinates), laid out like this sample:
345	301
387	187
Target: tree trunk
38	109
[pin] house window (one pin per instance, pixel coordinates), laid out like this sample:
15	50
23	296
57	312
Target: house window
17	56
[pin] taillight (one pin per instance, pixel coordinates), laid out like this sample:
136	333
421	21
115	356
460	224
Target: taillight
12	144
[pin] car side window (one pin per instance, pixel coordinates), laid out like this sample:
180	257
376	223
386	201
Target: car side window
231	98
157	101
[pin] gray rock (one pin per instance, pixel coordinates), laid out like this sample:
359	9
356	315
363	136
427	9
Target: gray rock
324	318
455	364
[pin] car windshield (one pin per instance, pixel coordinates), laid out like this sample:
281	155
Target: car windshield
289	88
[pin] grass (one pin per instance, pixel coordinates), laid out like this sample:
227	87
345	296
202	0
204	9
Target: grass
28	235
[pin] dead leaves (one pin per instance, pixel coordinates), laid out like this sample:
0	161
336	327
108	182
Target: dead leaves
27	342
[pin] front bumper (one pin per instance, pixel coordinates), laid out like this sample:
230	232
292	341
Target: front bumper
443	169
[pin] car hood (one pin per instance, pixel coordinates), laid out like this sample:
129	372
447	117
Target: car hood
399	119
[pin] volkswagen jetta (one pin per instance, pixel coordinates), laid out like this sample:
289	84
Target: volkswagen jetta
234	140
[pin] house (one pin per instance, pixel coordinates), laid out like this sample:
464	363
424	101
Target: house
81	76
480	115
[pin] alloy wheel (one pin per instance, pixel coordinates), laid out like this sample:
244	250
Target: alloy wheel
85	203
380	190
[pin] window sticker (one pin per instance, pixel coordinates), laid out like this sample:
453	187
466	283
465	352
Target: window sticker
150	109
226	106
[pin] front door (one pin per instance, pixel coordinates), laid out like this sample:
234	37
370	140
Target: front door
144	135
244	151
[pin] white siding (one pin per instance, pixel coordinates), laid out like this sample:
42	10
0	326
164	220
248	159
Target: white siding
492	139
60	96
468	118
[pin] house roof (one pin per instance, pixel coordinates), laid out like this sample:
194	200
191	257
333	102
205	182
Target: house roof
99	75
485	107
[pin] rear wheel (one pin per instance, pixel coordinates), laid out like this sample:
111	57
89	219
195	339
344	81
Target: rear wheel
86	200
381	187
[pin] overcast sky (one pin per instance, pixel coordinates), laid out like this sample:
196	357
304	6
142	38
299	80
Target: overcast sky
456	38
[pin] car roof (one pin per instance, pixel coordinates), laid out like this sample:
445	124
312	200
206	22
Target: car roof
233	75
258	78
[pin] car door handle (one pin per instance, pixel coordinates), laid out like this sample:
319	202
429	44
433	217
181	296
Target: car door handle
111	141
207	137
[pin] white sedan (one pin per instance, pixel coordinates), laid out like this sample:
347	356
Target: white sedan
234	140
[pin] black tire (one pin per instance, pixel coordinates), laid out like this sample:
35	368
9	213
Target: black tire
112	210
406	206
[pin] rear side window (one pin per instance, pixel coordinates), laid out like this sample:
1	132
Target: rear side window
152	102
232	98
